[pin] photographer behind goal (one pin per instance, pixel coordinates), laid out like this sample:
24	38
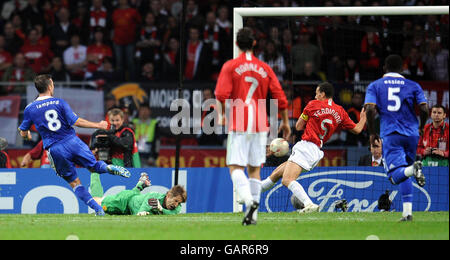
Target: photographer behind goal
117	145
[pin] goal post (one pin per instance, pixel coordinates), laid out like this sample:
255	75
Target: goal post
239	13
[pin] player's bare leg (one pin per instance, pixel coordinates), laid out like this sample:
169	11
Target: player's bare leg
290	175
242	185
274	177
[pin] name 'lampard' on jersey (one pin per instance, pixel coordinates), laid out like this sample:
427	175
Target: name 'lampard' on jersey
48	103
251	67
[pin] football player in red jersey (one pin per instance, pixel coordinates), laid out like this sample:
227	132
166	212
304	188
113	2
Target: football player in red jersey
320	118
246	81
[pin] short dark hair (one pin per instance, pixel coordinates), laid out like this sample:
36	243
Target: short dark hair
245	39
439	106
42	82
393	63
327	88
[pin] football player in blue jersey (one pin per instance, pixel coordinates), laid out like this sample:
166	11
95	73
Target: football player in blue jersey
54	119
395	97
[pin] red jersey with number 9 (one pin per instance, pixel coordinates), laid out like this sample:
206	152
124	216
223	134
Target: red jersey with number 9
246	81
323	118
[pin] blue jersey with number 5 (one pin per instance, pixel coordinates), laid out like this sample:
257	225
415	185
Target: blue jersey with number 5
52	117
395	98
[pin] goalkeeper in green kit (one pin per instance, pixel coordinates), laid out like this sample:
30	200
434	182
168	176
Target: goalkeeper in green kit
132	202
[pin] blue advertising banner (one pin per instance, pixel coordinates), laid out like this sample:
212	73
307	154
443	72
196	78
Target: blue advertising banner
31	191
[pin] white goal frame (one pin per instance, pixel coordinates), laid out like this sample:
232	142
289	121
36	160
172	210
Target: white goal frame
241	12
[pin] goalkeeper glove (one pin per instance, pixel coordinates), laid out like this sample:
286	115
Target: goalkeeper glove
143	213
155	205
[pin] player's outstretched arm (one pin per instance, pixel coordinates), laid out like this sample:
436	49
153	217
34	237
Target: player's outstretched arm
88	124
370	115
361	124
285	127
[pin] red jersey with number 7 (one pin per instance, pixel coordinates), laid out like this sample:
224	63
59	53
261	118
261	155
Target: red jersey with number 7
246	82
323	118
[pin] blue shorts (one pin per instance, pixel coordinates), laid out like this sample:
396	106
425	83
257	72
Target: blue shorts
68	152
399	151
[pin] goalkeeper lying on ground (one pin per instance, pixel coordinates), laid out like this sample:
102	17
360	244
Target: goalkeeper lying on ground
132	202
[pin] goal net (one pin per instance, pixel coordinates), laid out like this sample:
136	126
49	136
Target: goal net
346	46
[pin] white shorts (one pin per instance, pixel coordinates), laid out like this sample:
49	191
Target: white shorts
306	154
246	149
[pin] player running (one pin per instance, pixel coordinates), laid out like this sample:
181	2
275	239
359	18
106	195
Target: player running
320	119
245	81
132	202
395	97
54	119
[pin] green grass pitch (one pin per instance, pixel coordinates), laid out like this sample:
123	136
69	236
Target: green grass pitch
227	226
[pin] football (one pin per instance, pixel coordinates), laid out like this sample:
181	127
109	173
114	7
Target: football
279	147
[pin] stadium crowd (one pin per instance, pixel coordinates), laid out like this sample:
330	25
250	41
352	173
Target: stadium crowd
94	39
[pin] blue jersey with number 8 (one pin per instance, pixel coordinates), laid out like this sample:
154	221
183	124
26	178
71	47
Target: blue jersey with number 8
395	97
52	117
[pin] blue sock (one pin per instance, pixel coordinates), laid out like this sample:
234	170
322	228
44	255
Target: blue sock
86	197
406	190
398	175
100	167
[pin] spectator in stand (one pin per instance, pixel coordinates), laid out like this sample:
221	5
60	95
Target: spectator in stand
149	43
16	21
286	47
223	20
274	59
13	43
170	61
304	51
58	71
172	30
61	32
413	66
32	15
4	158
375	158
38	56
97	51
19	72
160	14
193	16
98	16
351	70
12	6
75	58
81	21
5	57
106	72
308	73
148	73
37	153
198	61
433	144
125	23
43	39
371	51
354	113
436	60
48	13
212	36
